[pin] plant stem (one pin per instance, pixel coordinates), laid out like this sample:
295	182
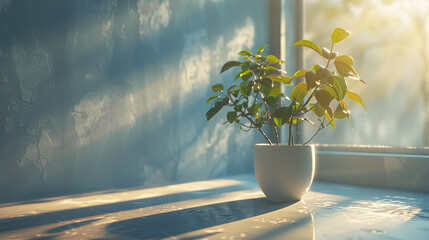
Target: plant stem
271	118
318	130
251	121
268	112
332	47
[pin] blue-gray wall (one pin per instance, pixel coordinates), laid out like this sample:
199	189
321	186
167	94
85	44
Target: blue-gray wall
107	94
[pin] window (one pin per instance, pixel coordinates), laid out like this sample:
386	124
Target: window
389	43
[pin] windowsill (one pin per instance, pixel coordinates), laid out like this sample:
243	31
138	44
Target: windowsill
228	208
403	168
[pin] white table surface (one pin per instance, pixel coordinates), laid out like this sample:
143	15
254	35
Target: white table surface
229	208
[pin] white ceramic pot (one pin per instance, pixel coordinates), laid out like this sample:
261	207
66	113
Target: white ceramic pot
284	173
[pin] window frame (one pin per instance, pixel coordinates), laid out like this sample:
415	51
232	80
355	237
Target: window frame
405	168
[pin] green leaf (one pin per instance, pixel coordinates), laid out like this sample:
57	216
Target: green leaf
309	44
254	109
299	92
330	119
340	87
273	59
212	111
271	101
259	123
249	65
232	88
338	34
256	56
317	109
355	97
246	76
344	104
310	79
231	116
282	115
245	53
299	73
331	90
322	73
297	120
245	88
271	68
286	79
261	49
323	97
266	85
237	76
342	111
211	98
229	65
280	79
275	91
217	88
245	72
266	82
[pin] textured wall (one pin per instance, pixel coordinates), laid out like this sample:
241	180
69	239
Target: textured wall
107	94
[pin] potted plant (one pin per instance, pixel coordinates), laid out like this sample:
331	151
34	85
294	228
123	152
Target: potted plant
285	172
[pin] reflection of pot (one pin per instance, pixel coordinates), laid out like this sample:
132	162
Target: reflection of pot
284	172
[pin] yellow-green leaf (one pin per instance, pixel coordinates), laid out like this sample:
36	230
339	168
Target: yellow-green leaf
330	120
245	53
282	115
271	68
331	90
287	79
328	54
344	69
355	97
340	87
275	91
342	111
317	109
273	59
309	44
345	58
280	79
299	73
299	92
310	79
217	88
211	98
261	49
245	72
339	34
245	88
323	97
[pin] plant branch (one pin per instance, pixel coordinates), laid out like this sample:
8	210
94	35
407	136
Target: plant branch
268	112
329	60
318	130
251	121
